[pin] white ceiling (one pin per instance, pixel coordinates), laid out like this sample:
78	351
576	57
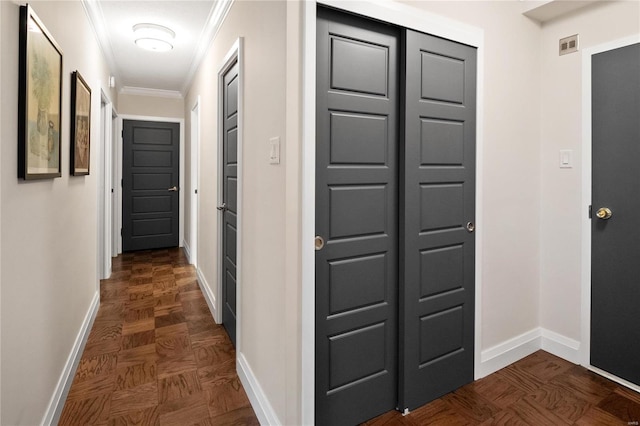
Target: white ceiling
163	73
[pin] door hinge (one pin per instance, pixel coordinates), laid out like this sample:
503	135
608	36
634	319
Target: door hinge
590	212
121	185
196	191
122	133
121	232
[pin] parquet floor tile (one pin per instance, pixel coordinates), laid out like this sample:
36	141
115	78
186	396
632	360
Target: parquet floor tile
154	355
539	390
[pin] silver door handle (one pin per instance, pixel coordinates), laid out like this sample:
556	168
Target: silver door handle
223	207
173	189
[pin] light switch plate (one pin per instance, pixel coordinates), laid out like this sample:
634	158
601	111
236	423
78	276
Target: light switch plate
566	158
274	150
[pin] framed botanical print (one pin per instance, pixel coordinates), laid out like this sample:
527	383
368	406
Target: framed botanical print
80	125
39	99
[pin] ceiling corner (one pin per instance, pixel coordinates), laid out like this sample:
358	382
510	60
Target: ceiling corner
214	22
96	19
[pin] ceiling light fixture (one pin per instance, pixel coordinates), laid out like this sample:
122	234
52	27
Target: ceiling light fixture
153	37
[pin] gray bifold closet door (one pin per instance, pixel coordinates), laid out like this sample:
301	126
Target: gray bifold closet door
395	205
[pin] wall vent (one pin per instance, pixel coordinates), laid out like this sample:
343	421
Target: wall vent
568	45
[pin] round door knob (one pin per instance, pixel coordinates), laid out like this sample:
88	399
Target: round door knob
318	242
604	213
471	227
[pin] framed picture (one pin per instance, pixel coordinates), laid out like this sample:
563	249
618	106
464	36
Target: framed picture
39	100
80	125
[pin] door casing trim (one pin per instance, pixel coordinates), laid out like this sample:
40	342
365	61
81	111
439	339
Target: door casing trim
194	201
408	17
585	311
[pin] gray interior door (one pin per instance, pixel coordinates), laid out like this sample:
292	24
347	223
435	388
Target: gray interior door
150	180
615	249
438	210
437	213
229	208
356	216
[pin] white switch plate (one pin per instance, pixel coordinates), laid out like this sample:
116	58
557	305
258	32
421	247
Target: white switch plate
274	150
566	158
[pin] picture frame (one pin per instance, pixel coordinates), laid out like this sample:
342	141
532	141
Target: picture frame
39	100
80	125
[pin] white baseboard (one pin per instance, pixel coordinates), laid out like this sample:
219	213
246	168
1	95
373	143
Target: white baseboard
56	404
508	352
208	295
512	350
259	402
187	250
560	346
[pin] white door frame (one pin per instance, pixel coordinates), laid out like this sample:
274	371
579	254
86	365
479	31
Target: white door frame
408	17
195	183
116	188
180	121
585	347
236	53
104	192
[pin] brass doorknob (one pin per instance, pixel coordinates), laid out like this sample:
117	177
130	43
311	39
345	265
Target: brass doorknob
604	213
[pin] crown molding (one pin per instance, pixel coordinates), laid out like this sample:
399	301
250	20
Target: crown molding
96	18
158	93
214	23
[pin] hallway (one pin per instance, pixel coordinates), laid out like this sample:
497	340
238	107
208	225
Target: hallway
155	354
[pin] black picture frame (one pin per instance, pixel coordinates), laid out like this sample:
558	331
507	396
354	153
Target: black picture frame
80	125
39	100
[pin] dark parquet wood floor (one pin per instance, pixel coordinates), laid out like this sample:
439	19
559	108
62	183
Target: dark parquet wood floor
538	390
155	356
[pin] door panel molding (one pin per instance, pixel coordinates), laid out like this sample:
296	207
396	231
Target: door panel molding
408	17
585	346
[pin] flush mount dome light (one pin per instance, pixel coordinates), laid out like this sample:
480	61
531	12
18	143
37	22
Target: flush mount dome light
153	37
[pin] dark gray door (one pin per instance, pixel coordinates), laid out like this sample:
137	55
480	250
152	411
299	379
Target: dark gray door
356	215
150	180
615	249
437	214
229	207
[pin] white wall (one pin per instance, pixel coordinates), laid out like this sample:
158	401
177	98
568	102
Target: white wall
265	309
48	240
510	159
150	106
561	208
